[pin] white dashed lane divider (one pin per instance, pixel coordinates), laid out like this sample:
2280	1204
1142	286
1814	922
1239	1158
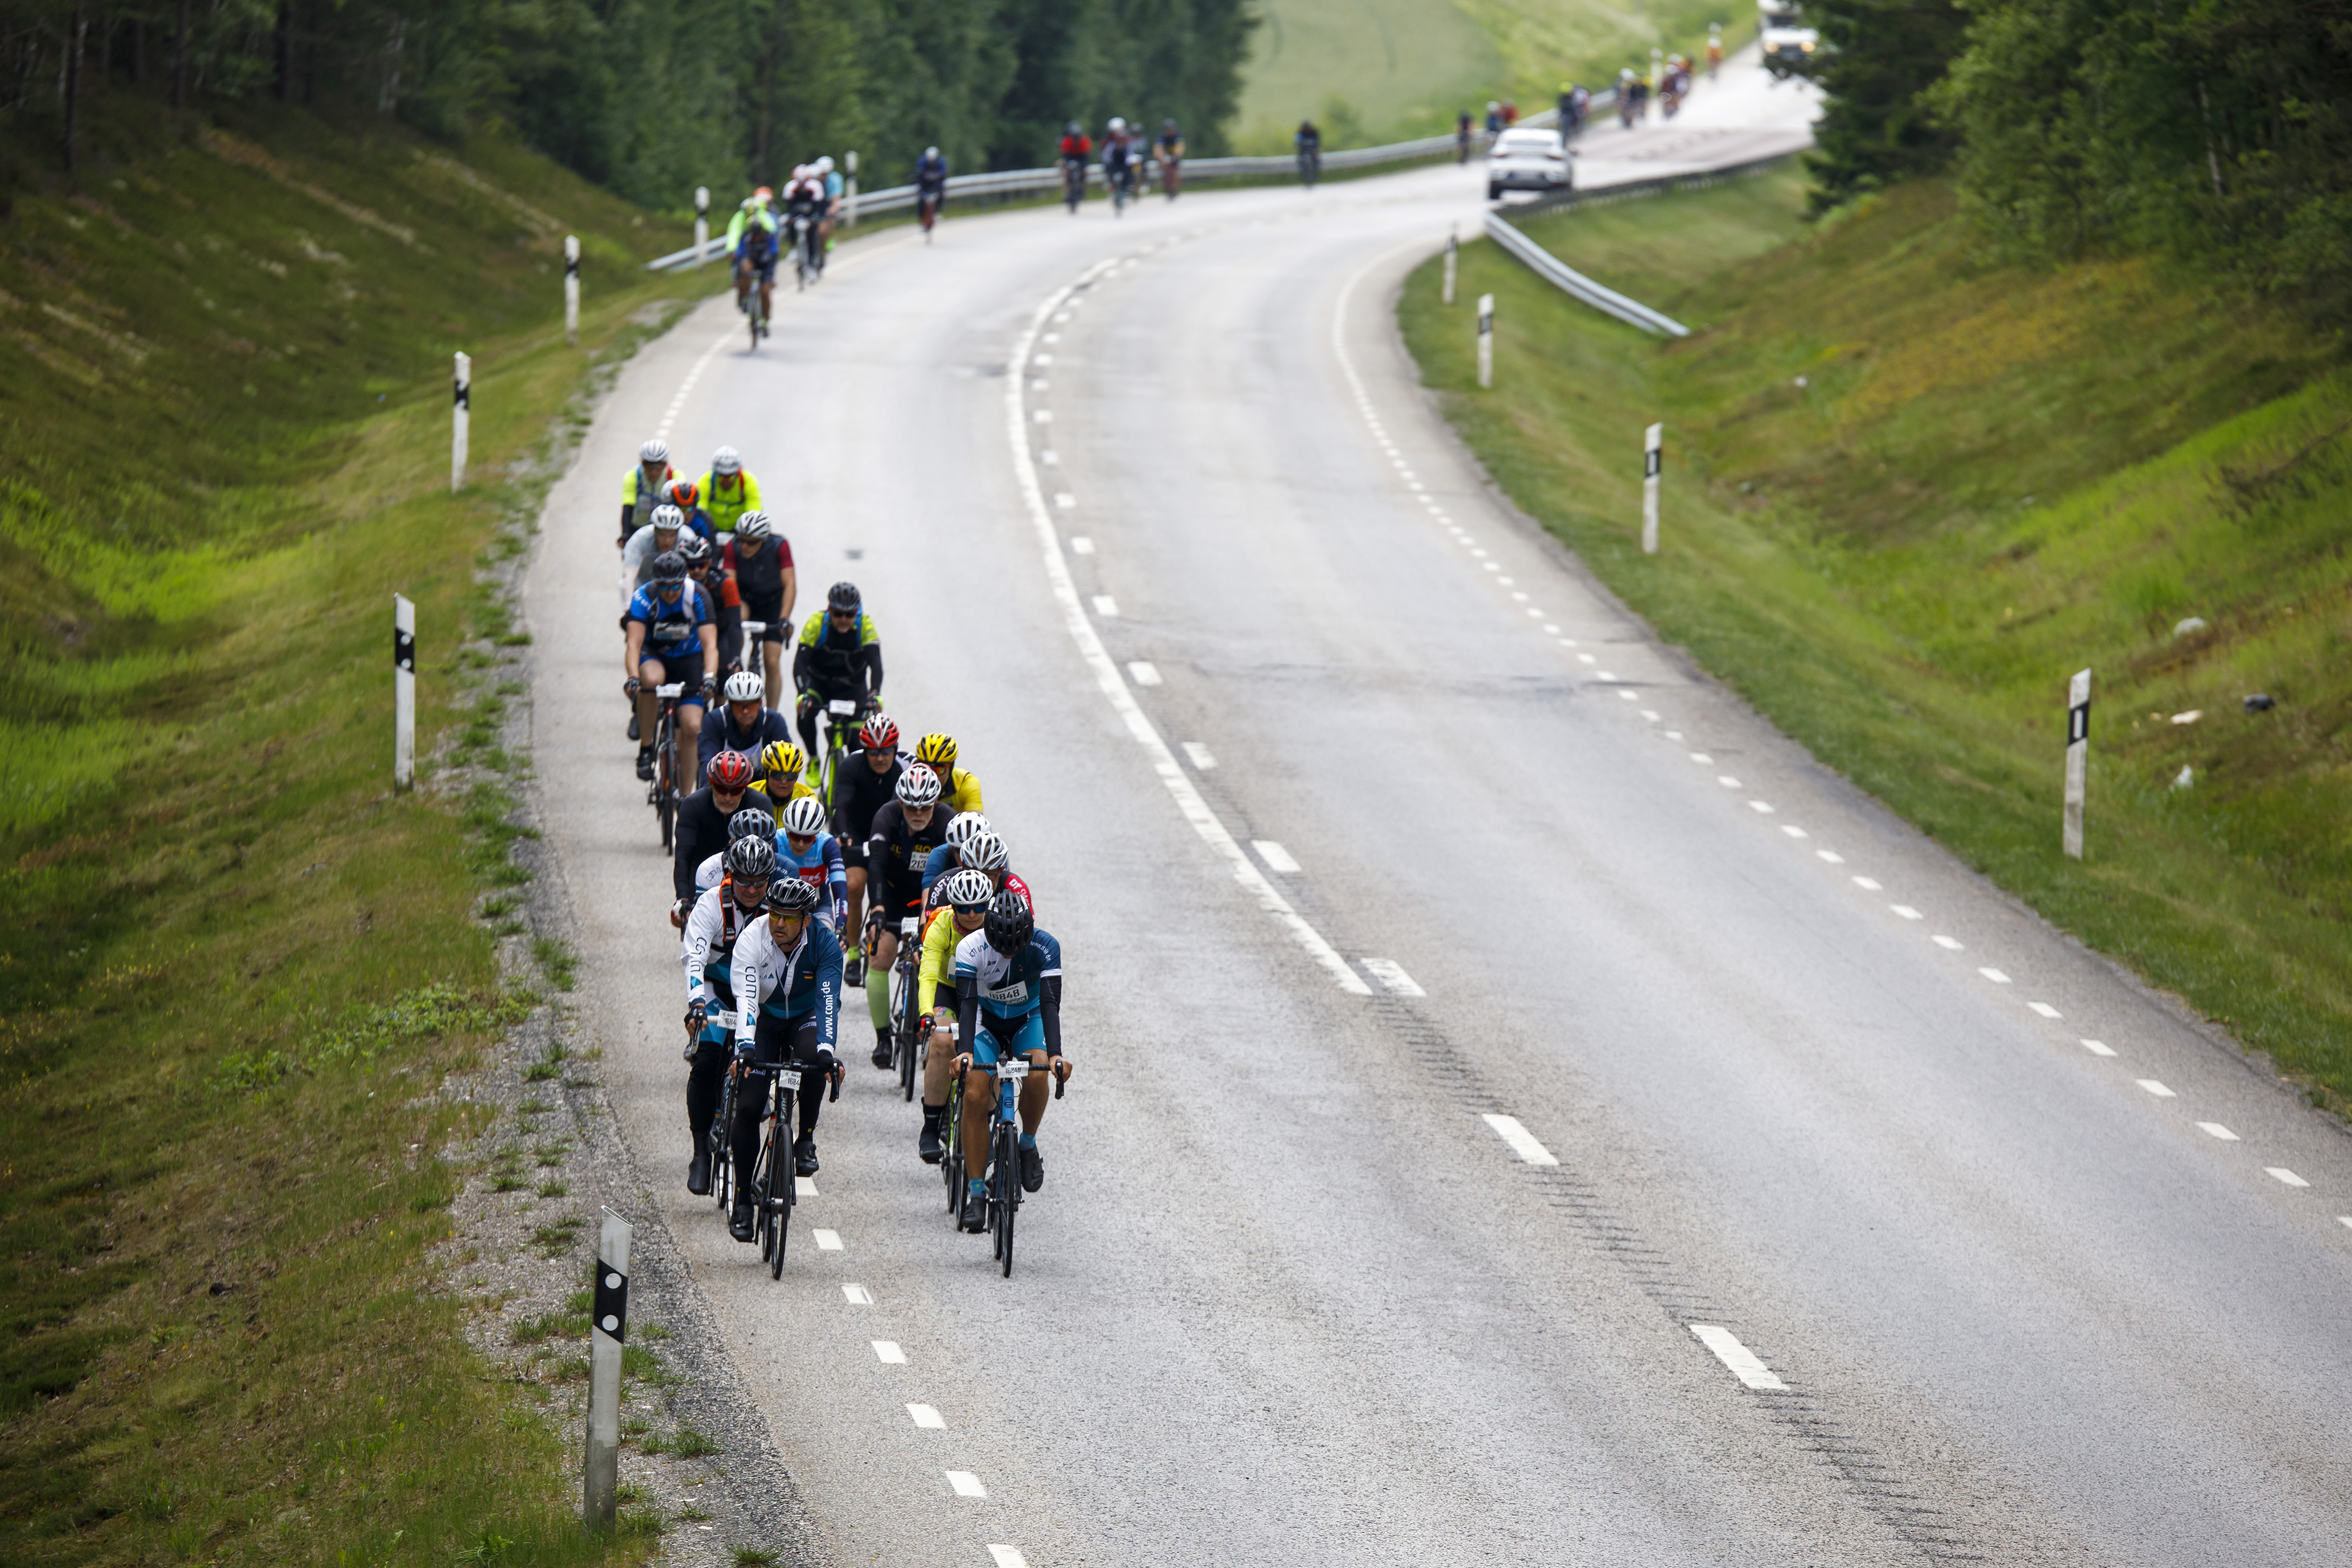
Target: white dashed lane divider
1743	1361
1107	676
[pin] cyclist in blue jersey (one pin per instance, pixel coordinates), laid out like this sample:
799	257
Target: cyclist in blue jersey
787	979
1008	1003
723	912
672	640
757	246
805	850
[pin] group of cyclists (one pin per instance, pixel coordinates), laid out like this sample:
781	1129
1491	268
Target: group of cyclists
1126	156
795	884
768	225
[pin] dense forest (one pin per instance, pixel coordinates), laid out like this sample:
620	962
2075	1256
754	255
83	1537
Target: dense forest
653	96
2219	130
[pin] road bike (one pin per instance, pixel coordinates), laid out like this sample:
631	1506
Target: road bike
905	1029
1073	183
662	794
1310	166
774	1185
951	1147
841	721
754	315
719	1141
1004	1174
927	210
1122	186
806	265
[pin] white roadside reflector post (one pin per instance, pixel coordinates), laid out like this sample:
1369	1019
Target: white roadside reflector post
403	692
1486	340
608	1328
1654	462
701	221
1453	247
462	406
572	289
2078	757
849	203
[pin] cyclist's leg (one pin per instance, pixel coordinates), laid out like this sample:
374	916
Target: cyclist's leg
706	1082
978	1101
651	672
852	861
688	672
877	975
772	657
751	1110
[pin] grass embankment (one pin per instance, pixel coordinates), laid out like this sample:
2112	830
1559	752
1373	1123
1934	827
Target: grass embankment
233	965
1370	71
1909	493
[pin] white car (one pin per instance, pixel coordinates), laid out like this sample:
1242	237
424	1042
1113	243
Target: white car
1528	160
1780	29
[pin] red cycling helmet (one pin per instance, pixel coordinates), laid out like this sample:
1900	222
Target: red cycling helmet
881	734
730	771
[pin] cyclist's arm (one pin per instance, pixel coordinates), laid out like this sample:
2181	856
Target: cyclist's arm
966	795
1049	1010
633	652
754	979
967	1006
701	930
802	658
828	957
938	946
838	878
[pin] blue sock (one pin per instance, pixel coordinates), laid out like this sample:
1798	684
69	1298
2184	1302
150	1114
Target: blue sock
1028	1139
976	1184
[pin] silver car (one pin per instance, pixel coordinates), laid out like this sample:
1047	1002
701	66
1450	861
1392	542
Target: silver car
1528	160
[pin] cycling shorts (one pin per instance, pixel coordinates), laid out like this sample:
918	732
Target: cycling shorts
781	1041
769	608
681	669
1018	1036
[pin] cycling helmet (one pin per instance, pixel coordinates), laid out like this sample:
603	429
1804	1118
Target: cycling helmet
750	204
930	151
654	451
727	460
669	516
1167	125
1072	130
800	172
842	597
752	525
669	567
879	733
752	823
789	896
1117	123
963	830
697	549
729	770
781	757
1009	923
804	818
967	890
937	752
918	787
986	852
763	195
751	858
745	687
823	165
684	494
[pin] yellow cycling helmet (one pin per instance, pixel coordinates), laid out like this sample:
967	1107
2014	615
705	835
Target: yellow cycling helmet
938	752
781	757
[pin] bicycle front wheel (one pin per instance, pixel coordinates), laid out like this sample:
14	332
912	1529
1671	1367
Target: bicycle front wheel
951	1144
1008	1195
781	1189
720	1143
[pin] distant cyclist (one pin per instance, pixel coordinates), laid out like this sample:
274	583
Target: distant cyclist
1118	162
726	605
751	241
787	982
831	217
930	188
670	641
1309	143
1072	151
1170	150
727	489
641	487
1008	1003
750	821
839	659
906	830
744	722
722	915
760	559
803	210
657	537
864	787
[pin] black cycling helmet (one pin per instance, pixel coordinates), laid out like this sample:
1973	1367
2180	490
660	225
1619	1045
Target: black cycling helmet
788	895
1009	923
752	823
696	548
752	859
669	566
842	598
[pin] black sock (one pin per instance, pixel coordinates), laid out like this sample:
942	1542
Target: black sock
931	1115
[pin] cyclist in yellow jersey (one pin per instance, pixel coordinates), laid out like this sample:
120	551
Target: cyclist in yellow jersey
781	764
728	489
958	788
963	908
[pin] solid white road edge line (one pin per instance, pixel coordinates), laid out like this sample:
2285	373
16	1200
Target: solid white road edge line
1736	1356
1113	686
1523	1143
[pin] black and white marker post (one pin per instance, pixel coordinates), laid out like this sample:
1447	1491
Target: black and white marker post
608	1330
702	223
849	205
403	692
2078	757
572	289
462	406
1486	340
1653	463
1453	248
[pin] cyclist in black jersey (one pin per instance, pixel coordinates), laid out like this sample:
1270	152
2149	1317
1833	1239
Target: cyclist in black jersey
912	823
839	659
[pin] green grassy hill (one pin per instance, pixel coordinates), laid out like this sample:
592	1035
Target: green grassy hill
1910	492
234	966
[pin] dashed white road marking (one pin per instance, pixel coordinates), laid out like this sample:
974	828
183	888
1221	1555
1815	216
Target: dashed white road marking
1524	1143
1143	672
1392	977
828	1240
2155	1088
2045	1009
2218	1130
804	1187
1905	911
1832	856
966	1484
1276	857
888	1353
1081	545
1995	975
1743	1361
1702	759
2345	1220
1867	885
2098	1048
1759	805
857	1295
1629	694
1727	781
1065	499
1949	944
1198	755
1106	606
1792	830
1604	675
2284	1174
1050	456
930	1419
1006	1557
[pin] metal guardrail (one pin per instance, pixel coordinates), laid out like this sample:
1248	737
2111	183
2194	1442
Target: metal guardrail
1046	181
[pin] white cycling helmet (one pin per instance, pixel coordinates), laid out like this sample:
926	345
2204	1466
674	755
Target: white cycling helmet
986	852
745	687
753	525
964	829
654	451
919	786
823	165
1117	123
930	151
806	816
800	171
725	460
669	516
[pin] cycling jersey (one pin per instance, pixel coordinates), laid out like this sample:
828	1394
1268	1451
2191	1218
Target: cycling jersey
820	866
672	626
938	965
895	854
1114	154
638	500
762	575
1171	149
743	220
839	665
719	733
701	832
711	931
726	497
637	552
859	794
802	985
931	176
958	789
832	187
1077	146
1009	1002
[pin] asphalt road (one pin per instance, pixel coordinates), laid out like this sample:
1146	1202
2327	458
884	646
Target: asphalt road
1365	819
